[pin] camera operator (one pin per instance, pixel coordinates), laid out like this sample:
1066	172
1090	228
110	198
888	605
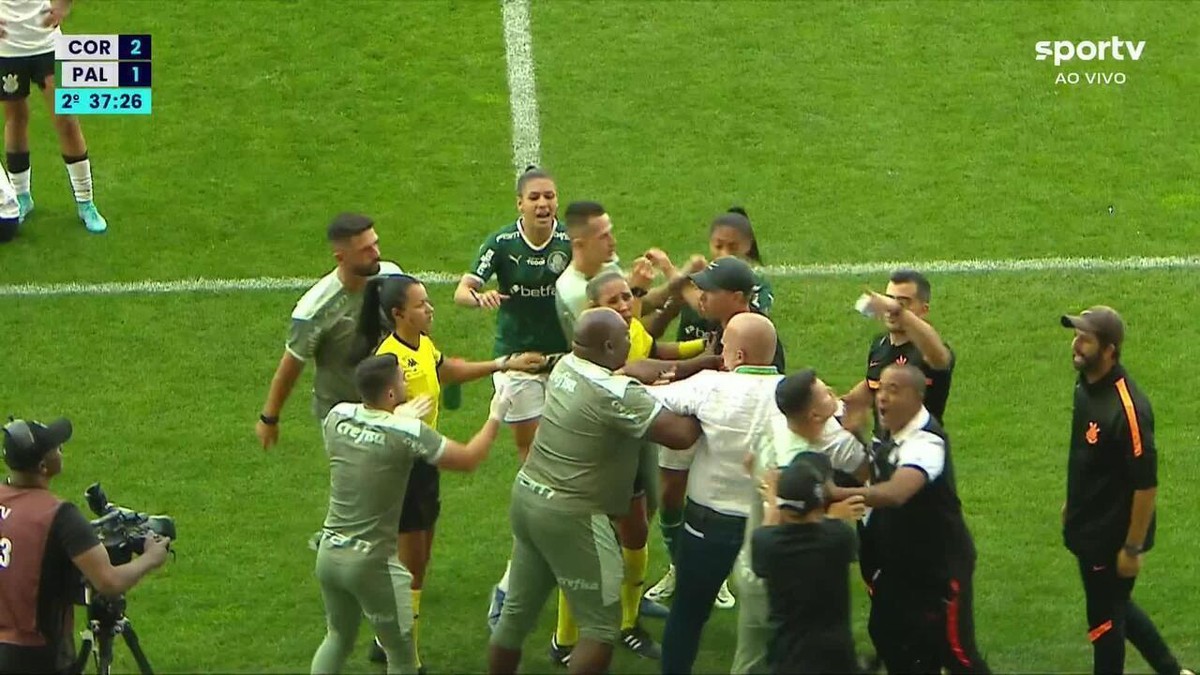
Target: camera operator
45	543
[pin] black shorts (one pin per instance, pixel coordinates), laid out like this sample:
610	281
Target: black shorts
17	72
423	499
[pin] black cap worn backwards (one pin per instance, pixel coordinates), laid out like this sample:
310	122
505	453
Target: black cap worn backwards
801	488
27	443
726	274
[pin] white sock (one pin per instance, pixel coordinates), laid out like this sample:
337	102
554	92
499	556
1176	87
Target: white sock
20	181
81	179
503	585
9	210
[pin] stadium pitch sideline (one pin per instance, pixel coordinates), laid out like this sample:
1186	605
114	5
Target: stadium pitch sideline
975	266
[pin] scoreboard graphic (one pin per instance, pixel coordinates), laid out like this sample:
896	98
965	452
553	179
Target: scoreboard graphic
103	75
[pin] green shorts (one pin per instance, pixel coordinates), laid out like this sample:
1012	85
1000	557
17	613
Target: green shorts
552	547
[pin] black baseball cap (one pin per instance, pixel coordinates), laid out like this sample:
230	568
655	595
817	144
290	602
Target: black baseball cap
801	487
1102	321
27	443
726	274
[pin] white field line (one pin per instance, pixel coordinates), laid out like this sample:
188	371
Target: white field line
522	87
201	285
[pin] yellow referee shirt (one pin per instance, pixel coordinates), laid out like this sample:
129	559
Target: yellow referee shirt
641	344
420	365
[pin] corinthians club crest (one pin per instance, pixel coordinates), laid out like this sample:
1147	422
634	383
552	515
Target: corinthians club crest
11	85
557	262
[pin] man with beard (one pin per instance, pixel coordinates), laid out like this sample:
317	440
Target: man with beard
323	325
1112	482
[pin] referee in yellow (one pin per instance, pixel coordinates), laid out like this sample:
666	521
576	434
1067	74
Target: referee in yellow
396	319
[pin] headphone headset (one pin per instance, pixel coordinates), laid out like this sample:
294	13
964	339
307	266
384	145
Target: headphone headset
20	434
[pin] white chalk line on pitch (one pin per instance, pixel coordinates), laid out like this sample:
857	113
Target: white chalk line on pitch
522	86
977	266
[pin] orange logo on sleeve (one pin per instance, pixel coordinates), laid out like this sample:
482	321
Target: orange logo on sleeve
1092	435
902	360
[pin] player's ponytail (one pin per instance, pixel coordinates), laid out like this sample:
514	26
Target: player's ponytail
368	327
381	296
736	218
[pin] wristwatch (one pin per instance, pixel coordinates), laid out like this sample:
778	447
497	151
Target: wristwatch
269	421
639	292
1132	550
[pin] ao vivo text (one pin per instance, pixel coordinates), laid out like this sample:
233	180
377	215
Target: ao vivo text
1090	78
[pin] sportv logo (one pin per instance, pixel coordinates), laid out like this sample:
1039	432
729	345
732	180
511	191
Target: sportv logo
1087	50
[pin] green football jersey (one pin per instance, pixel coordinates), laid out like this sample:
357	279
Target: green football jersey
692	326
528	320
589	440
371	453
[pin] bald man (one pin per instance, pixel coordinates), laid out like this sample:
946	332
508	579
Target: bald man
736	409
579	478
921	595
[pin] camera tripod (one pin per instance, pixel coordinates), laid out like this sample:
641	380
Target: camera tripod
106	619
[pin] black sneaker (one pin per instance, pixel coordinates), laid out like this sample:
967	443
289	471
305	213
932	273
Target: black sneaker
559	656
638	641
376	654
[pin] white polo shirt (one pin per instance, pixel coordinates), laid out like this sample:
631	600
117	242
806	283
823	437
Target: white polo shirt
914	447
777	450
918	448
779	447
24	33
736	411
570	294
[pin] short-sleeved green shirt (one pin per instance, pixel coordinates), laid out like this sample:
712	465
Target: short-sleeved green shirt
528	320
587	445
323	334
692	326
371	453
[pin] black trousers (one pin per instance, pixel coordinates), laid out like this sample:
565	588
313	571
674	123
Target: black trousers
1113	617
922	626
705	552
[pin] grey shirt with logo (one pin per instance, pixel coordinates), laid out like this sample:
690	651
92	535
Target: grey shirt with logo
371	453
587	445
323	334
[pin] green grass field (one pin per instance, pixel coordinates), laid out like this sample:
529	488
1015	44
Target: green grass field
852	133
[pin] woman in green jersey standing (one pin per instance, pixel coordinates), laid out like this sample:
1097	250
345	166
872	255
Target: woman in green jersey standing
525	257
